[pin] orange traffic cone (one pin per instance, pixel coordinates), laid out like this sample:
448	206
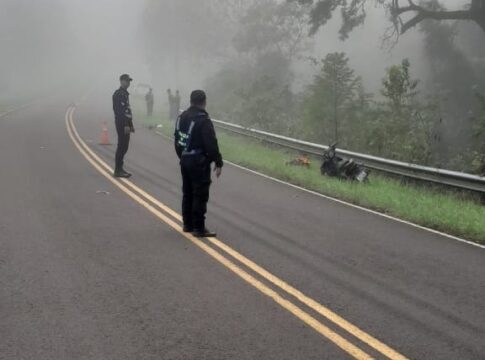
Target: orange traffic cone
104	135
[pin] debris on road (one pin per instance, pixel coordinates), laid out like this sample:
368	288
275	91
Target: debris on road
302	160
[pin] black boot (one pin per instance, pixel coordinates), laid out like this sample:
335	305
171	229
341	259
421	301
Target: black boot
188	228
204	233
121	174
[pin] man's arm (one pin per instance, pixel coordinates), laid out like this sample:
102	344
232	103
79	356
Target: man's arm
211	145
178	149
128	113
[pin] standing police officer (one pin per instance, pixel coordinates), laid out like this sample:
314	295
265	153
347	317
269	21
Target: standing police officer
124	123
197	148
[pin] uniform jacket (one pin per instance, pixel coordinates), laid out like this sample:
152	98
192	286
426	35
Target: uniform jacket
122	108
203	136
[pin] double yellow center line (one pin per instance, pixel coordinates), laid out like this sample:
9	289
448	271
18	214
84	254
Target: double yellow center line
234	261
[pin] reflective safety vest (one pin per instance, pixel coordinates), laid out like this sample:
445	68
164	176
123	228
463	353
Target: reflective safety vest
184	139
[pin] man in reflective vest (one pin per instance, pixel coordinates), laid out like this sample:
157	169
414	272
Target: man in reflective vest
197	148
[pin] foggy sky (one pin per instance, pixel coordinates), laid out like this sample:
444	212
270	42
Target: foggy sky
105	38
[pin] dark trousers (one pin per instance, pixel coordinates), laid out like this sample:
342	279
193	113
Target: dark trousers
149	108
196	178
123	144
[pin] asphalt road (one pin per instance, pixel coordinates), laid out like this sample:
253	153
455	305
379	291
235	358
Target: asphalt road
88	270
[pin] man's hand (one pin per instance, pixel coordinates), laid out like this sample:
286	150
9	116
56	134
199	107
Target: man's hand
132	129
218	171
127	130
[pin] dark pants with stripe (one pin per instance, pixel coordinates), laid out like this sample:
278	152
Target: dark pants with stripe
123	144
196	178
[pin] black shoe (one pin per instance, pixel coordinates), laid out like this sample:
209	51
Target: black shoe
188	229
122	174
205	233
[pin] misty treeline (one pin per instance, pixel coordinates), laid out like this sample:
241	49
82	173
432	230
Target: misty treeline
253	46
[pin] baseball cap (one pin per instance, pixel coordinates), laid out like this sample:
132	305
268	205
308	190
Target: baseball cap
125	77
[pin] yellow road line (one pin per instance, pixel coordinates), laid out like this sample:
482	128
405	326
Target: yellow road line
149	197
338	340
322	310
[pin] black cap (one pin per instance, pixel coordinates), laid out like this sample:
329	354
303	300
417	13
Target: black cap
125	77
198	97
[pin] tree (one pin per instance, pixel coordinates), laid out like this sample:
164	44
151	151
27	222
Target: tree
341	82
405	124
333	92
269	26
405	14
478	162
398	87
256	84
184	38
453	79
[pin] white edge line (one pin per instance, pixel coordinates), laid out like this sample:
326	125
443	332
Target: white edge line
347	203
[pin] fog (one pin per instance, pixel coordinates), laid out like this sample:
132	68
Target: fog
54	41
54	45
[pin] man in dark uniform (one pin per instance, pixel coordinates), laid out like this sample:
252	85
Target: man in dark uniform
171	105
176	104
124	123
149	98
197	148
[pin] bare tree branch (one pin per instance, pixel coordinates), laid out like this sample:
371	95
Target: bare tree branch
476	13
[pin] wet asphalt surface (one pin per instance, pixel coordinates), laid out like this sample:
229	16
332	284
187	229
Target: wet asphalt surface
87	273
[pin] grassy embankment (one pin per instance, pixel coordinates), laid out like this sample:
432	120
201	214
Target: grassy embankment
433	207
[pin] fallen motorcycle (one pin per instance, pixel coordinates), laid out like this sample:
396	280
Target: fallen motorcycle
346	169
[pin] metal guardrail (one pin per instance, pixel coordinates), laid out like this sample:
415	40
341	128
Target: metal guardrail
424	173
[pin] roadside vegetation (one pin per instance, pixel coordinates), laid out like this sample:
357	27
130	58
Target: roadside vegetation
428	111
452	212
257	81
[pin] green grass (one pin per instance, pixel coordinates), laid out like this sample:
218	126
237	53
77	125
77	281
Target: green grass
433	207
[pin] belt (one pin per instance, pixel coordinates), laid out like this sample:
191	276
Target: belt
192	152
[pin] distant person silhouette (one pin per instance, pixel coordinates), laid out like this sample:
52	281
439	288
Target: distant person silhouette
150	99
176	104
171	105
